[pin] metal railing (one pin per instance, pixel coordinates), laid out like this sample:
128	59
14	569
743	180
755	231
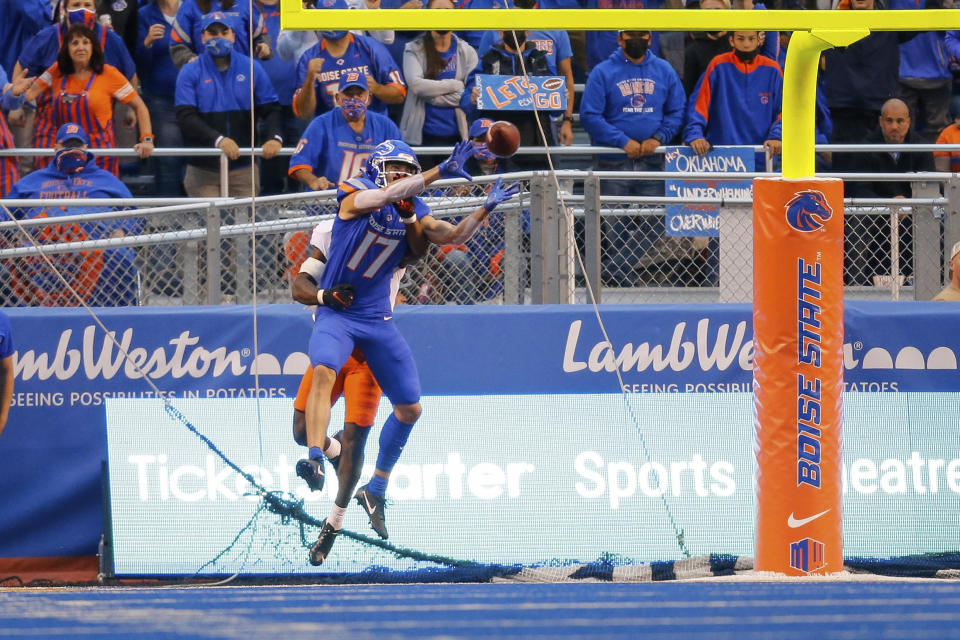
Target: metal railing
216	251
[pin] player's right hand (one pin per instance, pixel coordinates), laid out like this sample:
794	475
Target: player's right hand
453	167
338	297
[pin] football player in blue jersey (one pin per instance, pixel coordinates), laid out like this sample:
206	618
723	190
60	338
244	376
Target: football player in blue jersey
336	144
368	243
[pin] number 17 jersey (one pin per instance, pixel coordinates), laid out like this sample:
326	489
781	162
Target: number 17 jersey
365	251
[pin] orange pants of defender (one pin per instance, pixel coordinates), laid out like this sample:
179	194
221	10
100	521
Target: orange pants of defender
356	383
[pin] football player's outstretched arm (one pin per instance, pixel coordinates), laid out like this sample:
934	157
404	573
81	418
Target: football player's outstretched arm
442	232
363	202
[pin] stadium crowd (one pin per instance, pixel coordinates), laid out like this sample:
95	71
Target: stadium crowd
177	73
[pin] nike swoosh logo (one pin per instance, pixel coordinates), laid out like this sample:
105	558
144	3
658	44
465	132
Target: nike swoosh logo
793	523
370	508
387	317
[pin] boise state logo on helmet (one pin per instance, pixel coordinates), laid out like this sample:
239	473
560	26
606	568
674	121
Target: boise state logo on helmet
808	210
389	151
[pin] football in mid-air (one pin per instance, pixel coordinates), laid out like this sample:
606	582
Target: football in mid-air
503	138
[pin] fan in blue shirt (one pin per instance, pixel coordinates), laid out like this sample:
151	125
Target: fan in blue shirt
336	144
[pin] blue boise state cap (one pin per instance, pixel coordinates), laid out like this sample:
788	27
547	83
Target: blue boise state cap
216	17
72	131
479	127
352	79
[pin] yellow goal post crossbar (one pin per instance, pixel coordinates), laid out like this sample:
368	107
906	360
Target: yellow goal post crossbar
817	31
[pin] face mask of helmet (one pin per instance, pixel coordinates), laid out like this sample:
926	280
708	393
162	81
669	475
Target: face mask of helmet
482	153
745	56
218	47
82	16
353	108
332	35
70	160
636	48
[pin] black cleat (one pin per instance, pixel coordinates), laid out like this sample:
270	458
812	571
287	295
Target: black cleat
335	462
312	472
321	548
374	506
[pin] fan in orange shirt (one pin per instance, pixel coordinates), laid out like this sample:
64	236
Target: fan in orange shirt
83	89
950	160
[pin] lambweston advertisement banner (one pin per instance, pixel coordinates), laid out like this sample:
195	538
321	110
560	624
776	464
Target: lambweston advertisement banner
502	386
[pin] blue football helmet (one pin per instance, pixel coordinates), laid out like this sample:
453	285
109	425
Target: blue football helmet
389	151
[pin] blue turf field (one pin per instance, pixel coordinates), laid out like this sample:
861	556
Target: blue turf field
707	611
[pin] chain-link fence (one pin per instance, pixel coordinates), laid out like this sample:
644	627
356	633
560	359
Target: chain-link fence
224	251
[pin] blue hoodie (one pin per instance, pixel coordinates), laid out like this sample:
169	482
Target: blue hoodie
624	101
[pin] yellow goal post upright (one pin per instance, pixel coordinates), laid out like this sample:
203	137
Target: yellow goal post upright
798	238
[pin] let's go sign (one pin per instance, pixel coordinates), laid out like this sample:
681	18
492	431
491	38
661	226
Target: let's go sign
516	93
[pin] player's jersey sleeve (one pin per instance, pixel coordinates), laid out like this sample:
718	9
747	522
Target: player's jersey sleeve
321	236
307	153
395	281
353	185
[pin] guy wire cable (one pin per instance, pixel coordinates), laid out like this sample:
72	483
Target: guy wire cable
568	216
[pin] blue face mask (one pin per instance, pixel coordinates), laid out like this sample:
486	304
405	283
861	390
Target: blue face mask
353	108
332	35
218	47
482	154
82	16
70	160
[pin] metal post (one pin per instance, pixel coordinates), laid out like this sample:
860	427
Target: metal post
213	255
537	243
926	243
951	222
245	254
224	176
512	254
591	229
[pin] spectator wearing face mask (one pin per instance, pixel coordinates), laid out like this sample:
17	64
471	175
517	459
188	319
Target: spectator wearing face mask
101	277
737	100
338	52
188	27
213	104
337	143
633	100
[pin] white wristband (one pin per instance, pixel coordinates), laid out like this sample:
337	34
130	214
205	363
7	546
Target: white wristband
409	220
320	297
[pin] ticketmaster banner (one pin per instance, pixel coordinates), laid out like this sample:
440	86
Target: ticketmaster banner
66	369
528	479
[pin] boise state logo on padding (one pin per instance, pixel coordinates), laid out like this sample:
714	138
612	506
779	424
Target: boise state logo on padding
808	210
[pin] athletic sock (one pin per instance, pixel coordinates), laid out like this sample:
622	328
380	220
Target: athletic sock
336	517
333	449
316	453
392	439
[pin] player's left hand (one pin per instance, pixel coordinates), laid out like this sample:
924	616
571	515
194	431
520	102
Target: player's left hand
453	167
499	195
271	148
